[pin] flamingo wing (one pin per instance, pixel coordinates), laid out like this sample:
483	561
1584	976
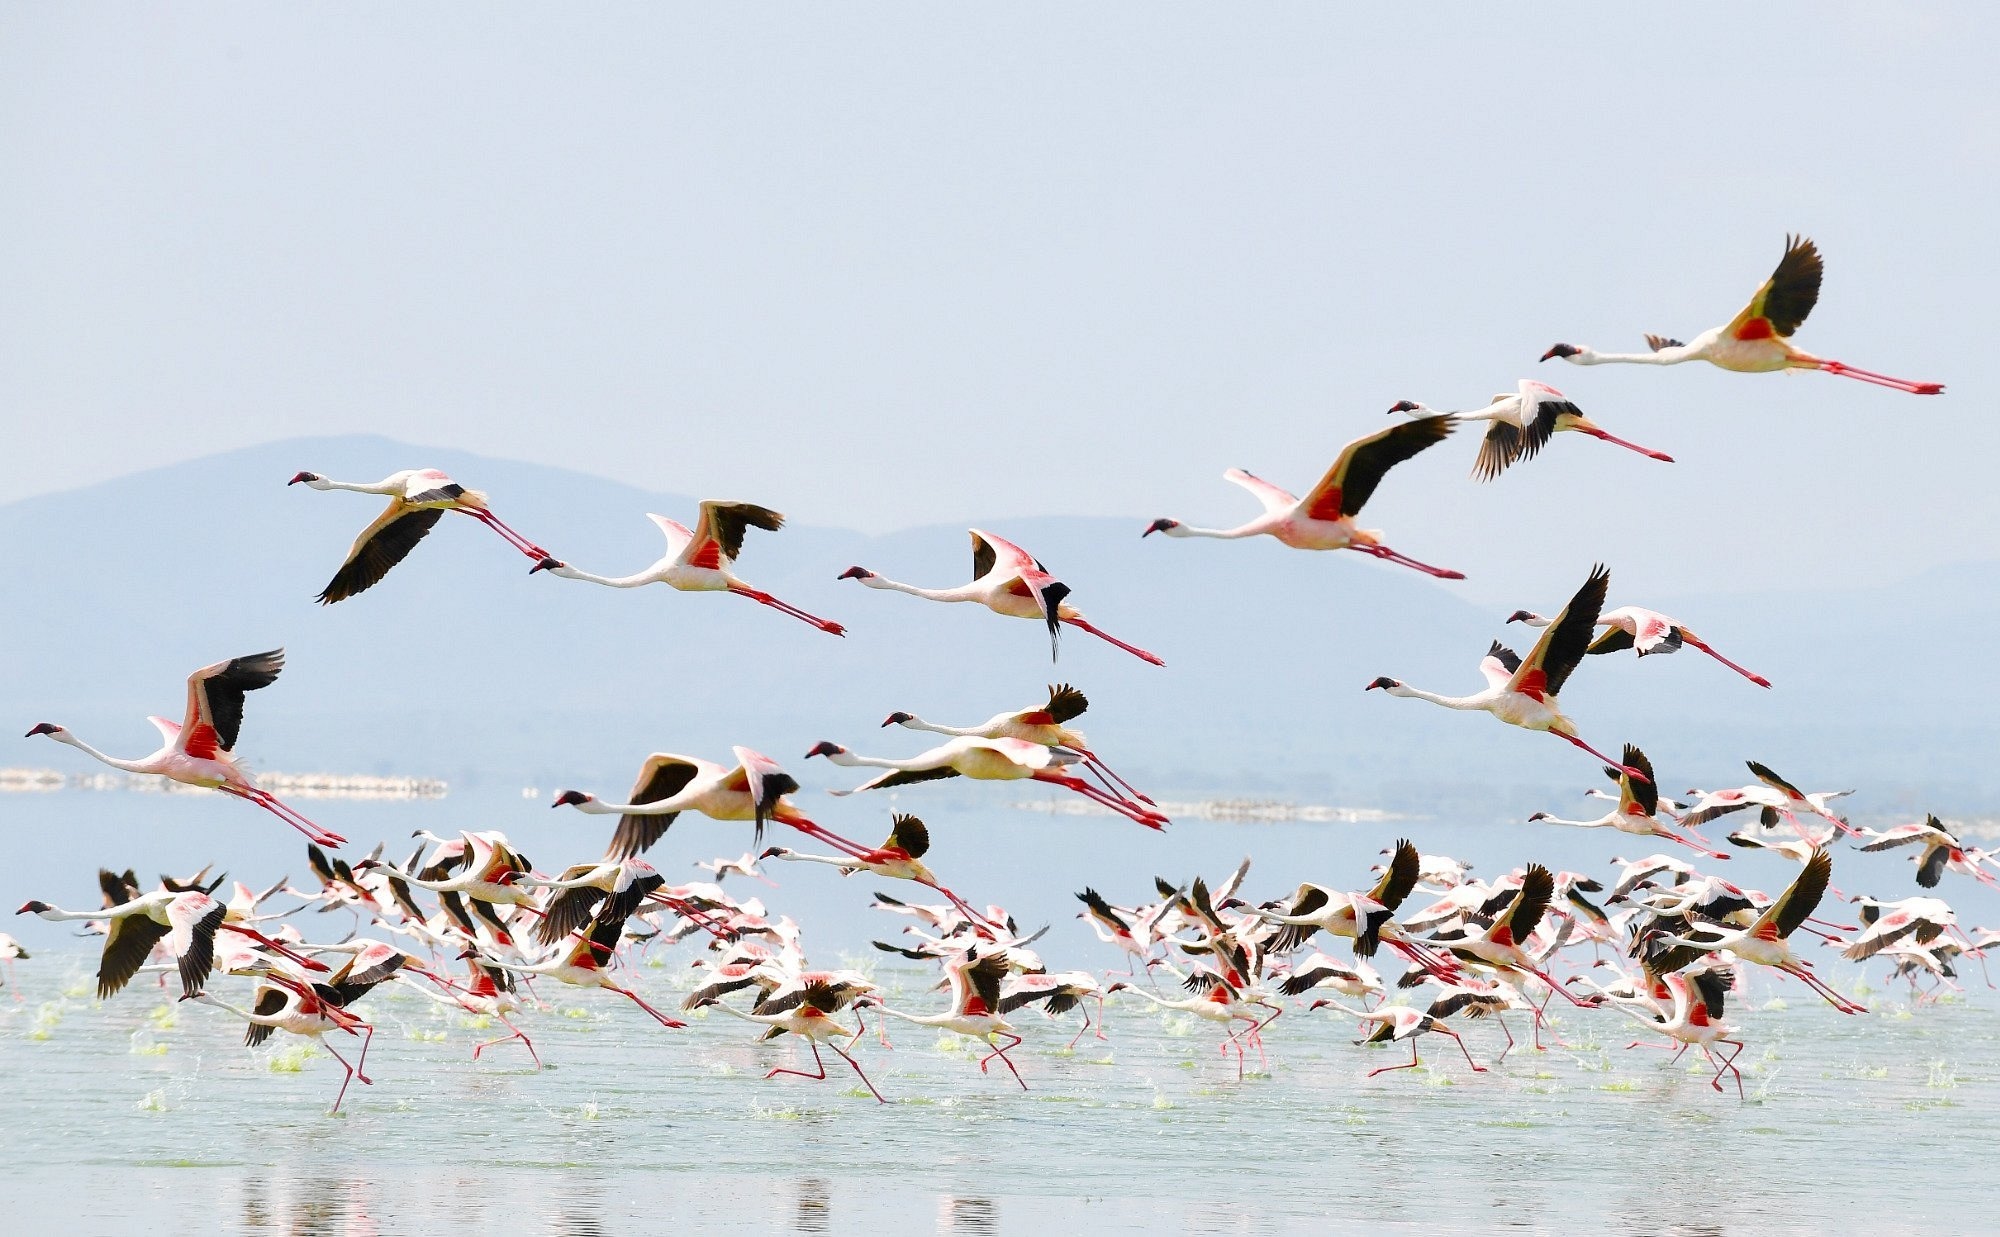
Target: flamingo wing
215	701
1798	901
128	942
1787	297
663	776
1636	797
1524	915
1065	704
380	546
718	534
908	834
1363	463
1499	665
1502	444
1274	500
908	777
1563	641
1765	775
1404	867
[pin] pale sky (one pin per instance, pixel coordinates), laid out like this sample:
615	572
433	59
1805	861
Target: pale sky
889	265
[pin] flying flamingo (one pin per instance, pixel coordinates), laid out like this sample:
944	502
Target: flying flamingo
418	499
1045	724
1324	518
1523	692
755	788
1775	795
975	1007
1638	808
1759	339
986	760
1649	631
580	962
1218	1001
1694	1019
1058	993
1942	851
199	750
1007	580
1764	941
1520	425
1501	945
700	561
899	858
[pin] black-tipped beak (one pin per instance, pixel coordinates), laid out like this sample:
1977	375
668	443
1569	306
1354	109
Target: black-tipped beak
1384	681
772	852
823	748
1520	616
570	798
44	728
1158	526
1538	816
1404	405
304	476
1561	350
856	573
895	719
547	564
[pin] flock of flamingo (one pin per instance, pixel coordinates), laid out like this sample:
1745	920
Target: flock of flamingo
470	922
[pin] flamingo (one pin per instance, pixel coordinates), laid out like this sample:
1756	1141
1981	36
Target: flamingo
186	920
1693	1019
10	949
308	1011
1649	631
1920	920
1638	808
755	788
975	981
743	865
1774	794
1764	941
1500	945
1058	993
418	499
1356	979
810	1018
1218	1001
1523	693
899	858
1942	851
700	561
1324	518
200	750
1759	339
1520	425
1008	581
1112	927
1397	1023
1045	724
1365	919
579	962
986	760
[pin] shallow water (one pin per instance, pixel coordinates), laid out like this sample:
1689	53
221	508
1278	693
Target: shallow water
140	1111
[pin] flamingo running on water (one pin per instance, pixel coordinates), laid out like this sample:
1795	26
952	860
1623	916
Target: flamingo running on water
1324	518
200	750
700	561
1007	580
1759	339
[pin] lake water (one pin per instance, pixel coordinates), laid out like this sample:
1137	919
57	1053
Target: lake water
143	1113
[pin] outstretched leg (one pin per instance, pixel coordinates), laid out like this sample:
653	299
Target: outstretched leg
1107	771
1477	1068
1728	1064
1388	555
507	534
1082	624
1006	1060
763	598
640	1001
857	1071
1412	1065
1628	770
1758	679
817	1064
1648	452
1845	370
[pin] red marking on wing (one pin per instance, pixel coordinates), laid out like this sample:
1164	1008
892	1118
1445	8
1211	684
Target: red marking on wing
975	1008
1756	328
1698	1015
1534	684
201	742
1037	717
1019	588
1326	506
1767	932
708	554
1503	935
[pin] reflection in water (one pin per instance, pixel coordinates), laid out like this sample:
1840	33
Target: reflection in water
814	1213
968	1215
581	1211
307	1207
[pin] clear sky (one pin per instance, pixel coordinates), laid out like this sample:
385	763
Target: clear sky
886	265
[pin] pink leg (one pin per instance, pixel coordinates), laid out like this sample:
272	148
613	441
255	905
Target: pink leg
1412	1065
1758	679
1881	380
308	963
799	1073
1477	1068
1508	1033
1106	771
343	1082
1728	1064
293	817
1080	1030
1630	446
1005	1060
1133	649
828	836
640	1001
1390	556
762	598
857	1071
507	534
1150	819
1628	770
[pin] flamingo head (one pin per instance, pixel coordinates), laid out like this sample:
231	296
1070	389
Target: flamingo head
825	748
857	573
33	908
773	852
1564	351
547	564
1119	986
570	798
312	479
1161	525
47	728
1384	682
898	719
1538	816
1525	616
1319	1004
1405	405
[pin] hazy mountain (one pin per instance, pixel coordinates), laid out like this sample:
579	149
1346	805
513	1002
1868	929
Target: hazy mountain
462	665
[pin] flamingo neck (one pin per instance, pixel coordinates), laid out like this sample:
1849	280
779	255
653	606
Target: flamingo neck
386	486
1252	529
632	581
928	594
1471	703
130	766
1665	356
